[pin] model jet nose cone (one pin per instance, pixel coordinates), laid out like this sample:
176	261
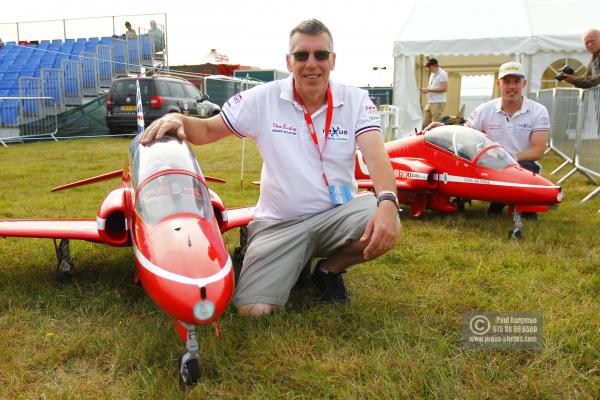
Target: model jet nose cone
204	310
560	196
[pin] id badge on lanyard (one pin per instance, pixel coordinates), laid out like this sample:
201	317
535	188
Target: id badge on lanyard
338	193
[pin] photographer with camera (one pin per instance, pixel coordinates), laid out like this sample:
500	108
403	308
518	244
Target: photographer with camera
591	39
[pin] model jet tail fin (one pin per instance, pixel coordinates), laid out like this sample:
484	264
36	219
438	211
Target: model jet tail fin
87	181
213	179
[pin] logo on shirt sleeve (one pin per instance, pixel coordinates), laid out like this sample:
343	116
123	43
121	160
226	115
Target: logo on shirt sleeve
371	109
237	99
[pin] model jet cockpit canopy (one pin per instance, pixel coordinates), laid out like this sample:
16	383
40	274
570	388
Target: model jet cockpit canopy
467	143
177	190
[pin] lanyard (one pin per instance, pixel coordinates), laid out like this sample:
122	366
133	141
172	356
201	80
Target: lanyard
311	127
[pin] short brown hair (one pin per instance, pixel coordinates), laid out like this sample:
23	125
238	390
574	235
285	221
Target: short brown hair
311	27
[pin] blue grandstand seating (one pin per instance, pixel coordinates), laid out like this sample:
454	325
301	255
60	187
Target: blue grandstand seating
35	59
47	63
28	60
29	70
10	112
20	60
7	84
11	76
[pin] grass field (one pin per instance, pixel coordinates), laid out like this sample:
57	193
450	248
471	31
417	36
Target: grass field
101	337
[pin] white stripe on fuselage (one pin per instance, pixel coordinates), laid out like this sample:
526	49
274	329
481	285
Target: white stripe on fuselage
200	282
476	181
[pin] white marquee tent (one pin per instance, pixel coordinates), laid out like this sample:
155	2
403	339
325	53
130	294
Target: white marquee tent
467	32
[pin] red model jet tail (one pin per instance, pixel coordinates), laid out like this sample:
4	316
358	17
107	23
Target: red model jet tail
94	179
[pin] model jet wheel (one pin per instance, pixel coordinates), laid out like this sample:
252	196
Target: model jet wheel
515	234
189	371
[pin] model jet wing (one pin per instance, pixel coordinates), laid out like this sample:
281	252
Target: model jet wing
82	229
237	217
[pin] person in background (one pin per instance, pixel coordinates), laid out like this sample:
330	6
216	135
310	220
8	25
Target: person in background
436	92
308	206
518	124
130	33
1	43
158	38
591	39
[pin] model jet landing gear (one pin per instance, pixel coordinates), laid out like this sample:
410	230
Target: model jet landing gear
240	251
64	268
516	233
460	203
189	363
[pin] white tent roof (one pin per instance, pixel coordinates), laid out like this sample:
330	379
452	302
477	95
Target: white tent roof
517	28
471	27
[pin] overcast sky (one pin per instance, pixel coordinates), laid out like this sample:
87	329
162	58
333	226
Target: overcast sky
249	32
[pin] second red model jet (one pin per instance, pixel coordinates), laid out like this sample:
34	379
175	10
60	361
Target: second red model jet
454	161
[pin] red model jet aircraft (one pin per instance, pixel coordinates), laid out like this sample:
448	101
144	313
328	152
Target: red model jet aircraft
165	211
459	162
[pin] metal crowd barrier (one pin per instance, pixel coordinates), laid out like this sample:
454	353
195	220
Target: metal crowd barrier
119	66
89	74
53	85
588	138
105	71
575	130
22	118
565	103
545	98
73	82
133	56
389	122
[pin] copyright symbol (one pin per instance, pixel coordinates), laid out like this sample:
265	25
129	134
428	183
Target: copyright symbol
479	325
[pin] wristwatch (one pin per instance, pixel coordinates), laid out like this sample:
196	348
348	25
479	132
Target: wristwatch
388	195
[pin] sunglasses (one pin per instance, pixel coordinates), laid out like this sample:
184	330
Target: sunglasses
320	55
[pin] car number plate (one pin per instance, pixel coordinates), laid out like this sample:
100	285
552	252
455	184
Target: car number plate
128	108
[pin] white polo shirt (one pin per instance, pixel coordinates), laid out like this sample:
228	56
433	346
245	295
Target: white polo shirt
292	173
435	81
512	133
